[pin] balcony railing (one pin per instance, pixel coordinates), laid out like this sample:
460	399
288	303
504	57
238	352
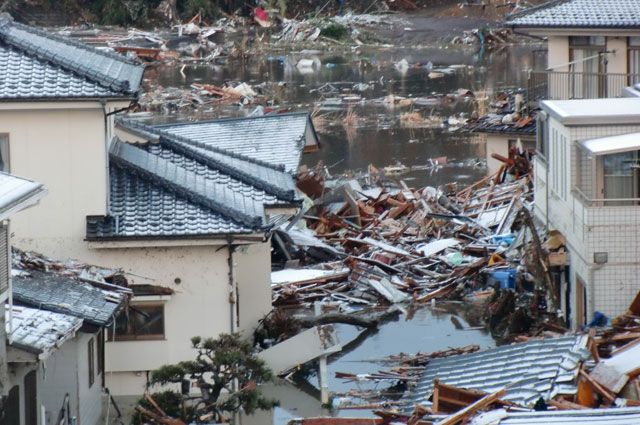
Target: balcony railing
555	85
588	202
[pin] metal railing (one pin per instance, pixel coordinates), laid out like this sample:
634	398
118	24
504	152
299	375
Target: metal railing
559	85
588	202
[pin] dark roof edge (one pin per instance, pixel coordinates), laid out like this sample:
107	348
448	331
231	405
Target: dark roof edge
529	10
186	150
253	222
229	237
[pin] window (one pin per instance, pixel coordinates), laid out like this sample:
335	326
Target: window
588	62
91	359
4	153
12	408
558	159
140	322
633	60
621	176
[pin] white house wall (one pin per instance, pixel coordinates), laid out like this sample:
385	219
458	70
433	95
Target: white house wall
253	274
199	307
67	371
65	150
614	230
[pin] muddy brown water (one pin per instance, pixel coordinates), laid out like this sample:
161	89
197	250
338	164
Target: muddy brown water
377	137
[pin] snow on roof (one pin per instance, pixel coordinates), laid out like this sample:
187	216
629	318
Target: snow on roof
39	331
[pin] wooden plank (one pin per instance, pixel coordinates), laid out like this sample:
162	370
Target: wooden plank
473	408
597	387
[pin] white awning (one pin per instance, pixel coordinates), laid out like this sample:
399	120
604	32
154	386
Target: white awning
612	144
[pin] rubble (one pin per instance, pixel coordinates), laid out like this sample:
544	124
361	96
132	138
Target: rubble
400	244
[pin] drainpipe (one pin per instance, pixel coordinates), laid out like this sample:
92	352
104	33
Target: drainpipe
233	291
106	114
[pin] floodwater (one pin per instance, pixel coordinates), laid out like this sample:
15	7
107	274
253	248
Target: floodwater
427	329
356	81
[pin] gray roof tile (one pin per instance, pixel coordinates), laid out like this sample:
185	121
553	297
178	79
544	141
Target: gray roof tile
67	295
274	139
174	186
39	65
580	14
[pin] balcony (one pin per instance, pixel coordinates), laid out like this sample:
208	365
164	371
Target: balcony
555	85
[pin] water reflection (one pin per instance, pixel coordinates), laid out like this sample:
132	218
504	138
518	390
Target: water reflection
425	329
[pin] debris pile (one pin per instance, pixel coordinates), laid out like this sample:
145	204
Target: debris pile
399	244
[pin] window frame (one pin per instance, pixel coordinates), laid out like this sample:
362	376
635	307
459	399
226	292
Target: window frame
8	149
115	336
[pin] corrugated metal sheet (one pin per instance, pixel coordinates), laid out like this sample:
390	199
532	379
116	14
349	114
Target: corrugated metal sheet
534	369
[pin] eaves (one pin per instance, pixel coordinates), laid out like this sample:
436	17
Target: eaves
548	31
42	104
176	241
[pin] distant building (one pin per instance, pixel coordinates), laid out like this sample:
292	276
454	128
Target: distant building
186	209
587	187
593	47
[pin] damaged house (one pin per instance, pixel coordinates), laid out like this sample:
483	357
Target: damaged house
184	209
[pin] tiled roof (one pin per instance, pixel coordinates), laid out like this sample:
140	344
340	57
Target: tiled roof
580	14
275	139
17	193
174	186
67	295
40	331
35	64
534	369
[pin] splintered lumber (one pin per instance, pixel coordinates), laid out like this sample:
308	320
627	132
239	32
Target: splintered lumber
565	405
473	408
438	292
595	386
